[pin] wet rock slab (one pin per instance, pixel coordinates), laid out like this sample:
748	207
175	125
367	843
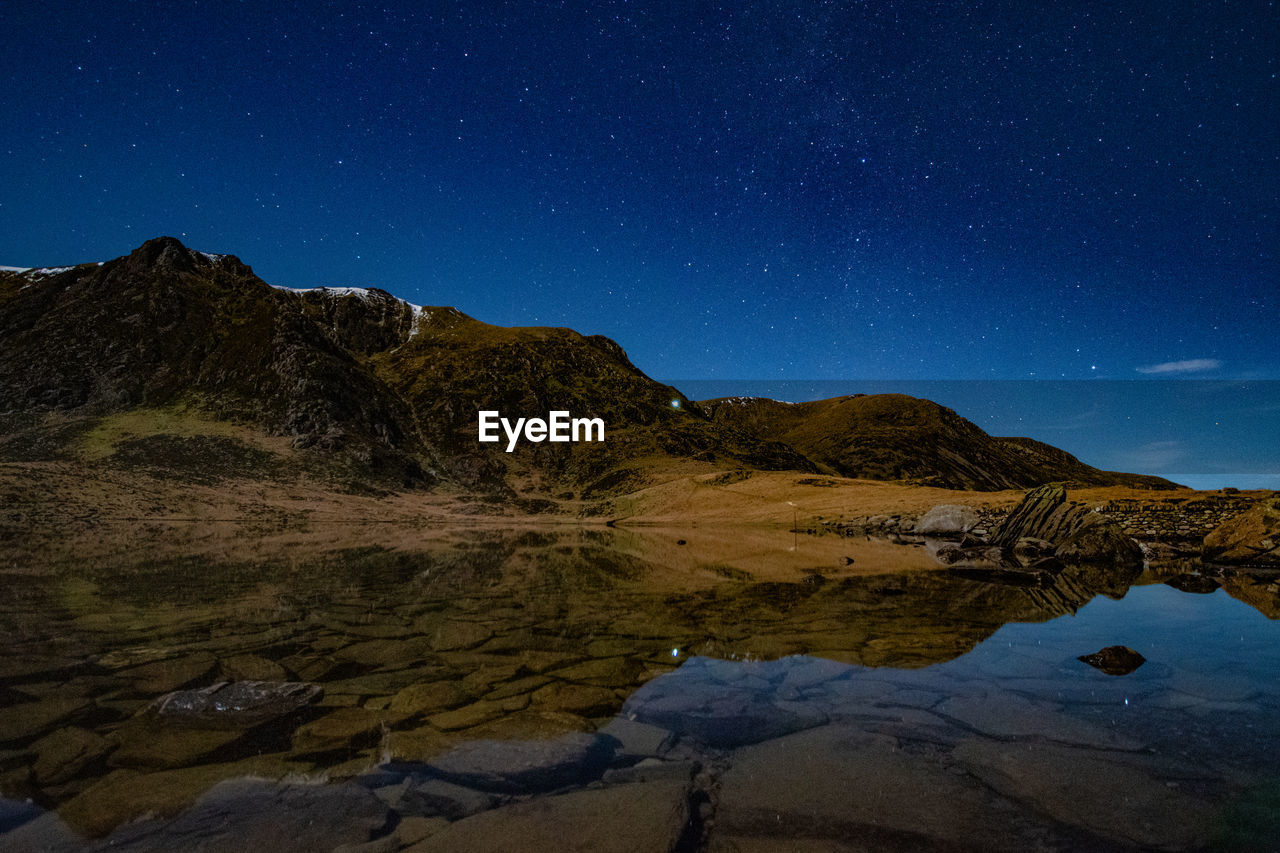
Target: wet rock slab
618	819
526	766
838	783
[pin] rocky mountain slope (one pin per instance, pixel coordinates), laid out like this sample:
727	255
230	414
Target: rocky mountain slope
367	384
896	437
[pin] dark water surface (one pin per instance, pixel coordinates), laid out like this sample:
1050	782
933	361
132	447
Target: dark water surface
709	689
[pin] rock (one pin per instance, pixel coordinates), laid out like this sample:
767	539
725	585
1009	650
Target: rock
581	699
1076	533
839	783
438	798
653	770
467	716
1008	715
979	555
344	728
531	724
689	701
637	739
252	668
238	704
455	635
1114	660
1251	538
61	754
602	672
1108	794
1028	550
166	675
526	766
428	698
947	518
145	743
247	814
25	721
1099	540
617	819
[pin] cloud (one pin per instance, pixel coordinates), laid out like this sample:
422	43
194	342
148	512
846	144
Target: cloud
1154	456
1191	365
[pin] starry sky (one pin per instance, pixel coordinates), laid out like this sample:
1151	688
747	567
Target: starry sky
746	190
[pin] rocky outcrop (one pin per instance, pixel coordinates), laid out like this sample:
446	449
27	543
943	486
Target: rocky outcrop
1076	533
1251	538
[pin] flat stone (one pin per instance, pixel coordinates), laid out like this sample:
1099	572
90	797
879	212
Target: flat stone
438	798
720	715
428	698
602	672
1108	794
582	699
238	704
619	819
421	744
344	728
1009	715
61	754
128	794
21	722
248	814
636	738
652	770
840	783
167	675
454	635
526	766
388	653
252	668
531	724
467	716
144	743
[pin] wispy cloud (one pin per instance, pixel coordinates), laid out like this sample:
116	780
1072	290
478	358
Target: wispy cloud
1154	456
1191	365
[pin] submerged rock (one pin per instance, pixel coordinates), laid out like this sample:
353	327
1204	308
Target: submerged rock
616	819
1114	660
526	766
236	704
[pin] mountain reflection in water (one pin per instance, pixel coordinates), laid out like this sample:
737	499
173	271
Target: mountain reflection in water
762	658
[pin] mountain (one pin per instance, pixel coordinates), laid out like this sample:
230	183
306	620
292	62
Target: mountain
896	437
377	385
370	388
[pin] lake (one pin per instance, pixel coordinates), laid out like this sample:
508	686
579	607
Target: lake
718	689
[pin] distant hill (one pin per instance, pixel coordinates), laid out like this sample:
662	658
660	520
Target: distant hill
896	437
374	388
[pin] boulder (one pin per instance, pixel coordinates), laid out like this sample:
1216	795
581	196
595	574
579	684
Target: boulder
236	704
947	518
1251	538
1114	660
1076	533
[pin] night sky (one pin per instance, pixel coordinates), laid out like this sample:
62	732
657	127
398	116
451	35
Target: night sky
746	190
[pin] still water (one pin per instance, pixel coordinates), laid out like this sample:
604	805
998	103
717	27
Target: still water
707	689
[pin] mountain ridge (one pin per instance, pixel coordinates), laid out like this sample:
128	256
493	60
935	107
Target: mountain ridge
390	390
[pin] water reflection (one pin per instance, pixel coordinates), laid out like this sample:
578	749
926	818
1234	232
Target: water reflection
715	639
